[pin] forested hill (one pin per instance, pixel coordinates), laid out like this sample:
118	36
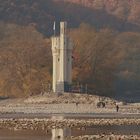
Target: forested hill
127	10
106	54
42	13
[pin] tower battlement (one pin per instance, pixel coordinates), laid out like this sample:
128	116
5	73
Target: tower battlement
55	44
62	60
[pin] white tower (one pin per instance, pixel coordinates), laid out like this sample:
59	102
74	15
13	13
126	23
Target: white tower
62	60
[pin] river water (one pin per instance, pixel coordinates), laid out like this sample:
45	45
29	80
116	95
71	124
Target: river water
54	134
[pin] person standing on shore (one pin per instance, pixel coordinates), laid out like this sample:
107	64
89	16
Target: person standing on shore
117	108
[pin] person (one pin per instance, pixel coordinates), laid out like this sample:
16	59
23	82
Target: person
117	108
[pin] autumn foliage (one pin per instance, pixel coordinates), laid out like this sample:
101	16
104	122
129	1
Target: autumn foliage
106	54
25	60
106	60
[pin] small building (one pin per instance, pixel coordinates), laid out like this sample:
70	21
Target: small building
62	60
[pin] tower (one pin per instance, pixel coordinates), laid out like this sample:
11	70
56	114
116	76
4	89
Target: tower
62	60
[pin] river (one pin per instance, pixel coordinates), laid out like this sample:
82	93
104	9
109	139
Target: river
60	134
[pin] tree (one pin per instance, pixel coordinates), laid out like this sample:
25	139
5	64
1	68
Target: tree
25	60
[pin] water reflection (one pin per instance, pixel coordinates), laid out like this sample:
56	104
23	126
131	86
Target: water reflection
61	134
57	117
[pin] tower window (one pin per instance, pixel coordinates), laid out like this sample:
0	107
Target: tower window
58	59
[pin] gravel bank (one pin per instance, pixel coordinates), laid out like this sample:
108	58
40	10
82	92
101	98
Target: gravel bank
107	137
44	124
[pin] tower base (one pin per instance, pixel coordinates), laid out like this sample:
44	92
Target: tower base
63	87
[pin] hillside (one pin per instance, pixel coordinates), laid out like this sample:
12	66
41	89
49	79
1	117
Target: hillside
106	53
127	10
42	14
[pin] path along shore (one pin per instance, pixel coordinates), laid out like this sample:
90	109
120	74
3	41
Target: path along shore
66	104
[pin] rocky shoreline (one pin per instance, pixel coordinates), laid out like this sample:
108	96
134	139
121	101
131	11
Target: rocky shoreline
49	124
67	104
45	124
107	137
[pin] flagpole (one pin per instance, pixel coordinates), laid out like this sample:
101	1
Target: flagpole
54	28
